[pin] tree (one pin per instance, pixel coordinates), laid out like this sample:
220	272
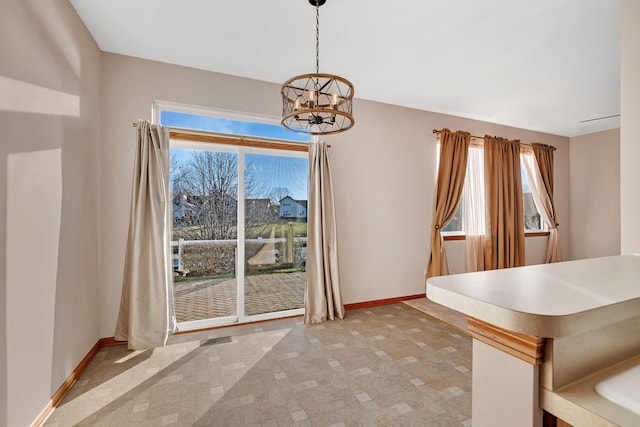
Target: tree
207	186
205	192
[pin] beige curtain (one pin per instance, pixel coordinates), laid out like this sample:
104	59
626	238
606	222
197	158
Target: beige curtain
504	244
322	295
146	316
544	159
454	150
473	212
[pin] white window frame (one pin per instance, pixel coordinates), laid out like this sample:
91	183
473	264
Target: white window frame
460	233
240	316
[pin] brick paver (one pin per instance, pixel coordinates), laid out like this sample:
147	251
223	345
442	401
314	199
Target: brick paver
195	300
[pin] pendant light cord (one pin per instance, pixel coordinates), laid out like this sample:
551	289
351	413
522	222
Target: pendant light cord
317	38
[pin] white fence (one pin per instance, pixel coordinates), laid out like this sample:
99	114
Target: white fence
177	247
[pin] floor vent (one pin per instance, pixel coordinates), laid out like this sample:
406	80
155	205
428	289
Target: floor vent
213	341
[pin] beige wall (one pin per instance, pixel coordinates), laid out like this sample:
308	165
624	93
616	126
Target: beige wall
129	88
385	176
49	170
630	126
595	195
383	168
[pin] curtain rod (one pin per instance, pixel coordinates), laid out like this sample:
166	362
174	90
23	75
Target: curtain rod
230	135
437	131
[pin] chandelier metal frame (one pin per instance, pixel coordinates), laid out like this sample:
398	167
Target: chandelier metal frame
317	103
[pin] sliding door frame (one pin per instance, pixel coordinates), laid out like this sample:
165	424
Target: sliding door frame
241	145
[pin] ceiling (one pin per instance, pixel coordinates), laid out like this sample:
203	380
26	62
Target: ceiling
543	65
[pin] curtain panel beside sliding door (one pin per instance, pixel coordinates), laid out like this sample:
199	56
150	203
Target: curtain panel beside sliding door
146	317
322	296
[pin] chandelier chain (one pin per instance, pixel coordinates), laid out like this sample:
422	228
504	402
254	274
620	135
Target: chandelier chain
317	38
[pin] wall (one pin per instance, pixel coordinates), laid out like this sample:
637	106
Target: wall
384	171
385	167
49	194
595	195
629	126
129	88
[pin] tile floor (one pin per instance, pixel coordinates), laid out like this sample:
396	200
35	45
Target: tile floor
385	366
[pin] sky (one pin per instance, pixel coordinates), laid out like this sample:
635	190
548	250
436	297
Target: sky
272	171
236	127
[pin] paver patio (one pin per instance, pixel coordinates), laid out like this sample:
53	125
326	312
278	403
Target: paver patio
196	300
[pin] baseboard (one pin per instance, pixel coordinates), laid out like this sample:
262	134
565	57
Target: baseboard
71	380
109	341
376	303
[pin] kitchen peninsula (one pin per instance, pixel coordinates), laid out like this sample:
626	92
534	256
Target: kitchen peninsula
544	335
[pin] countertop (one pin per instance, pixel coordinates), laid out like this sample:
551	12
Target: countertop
548	300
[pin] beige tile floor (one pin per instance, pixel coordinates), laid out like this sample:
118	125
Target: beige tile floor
384	366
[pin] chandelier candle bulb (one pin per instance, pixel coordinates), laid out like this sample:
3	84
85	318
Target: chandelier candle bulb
312	98
334	100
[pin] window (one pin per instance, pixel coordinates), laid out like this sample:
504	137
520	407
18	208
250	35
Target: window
237	256
235	124
532	219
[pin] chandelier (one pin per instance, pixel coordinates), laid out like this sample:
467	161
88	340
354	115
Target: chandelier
318	103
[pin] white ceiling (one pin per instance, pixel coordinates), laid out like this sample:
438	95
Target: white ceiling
543	65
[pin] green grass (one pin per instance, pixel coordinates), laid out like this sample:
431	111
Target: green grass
254	232
264	230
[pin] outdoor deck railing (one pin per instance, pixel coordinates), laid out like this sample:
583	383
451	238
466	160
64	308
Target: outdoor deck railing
177	246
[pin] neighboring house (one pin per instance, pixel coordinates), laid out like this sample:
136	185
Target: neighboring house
187	207
290	208
182	208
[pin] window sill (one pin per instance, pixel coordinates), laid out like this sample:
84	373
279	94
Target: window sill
536	233
449	237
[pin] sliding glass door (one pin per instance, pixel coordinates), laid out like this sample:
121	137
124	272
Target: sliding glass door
204	187
275	232
237	261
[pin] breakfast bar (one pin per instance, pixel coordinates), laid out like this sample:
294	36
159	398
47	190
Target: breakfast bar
562	338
